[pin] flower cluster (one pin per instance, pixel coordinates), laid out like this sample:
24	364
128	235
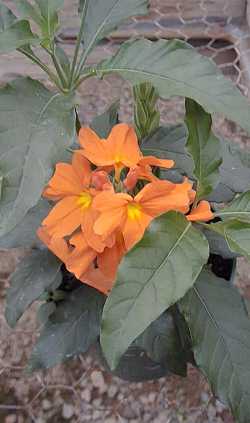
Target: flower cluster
100	212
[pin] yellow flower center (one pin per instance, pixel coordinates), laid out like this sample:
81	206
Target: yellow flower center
84	200
118	160
134	211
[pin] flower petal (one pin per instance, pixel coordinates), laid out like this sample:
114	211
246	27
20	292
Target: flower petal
123	143
64	182
107	200
110	259
64	218
94	148
133	230
82	169
109	221
154	161
95	241
81	258
58	246
202	212
95	278
162	196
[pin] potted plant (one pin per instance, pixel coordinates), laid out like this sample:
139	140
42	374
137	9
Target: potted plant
134	230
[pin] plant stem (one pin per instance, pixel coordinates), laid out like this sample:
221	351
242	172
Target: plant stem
60	72
78	43
45	68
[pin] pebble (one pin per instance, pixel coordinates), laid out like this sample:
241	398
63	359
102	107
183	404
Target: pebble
112	391
159	419
211	412
67	411
10	419
98	381
205	397
111	420
129	413
152	397
46	404
219	406
86	395
97	402
97	414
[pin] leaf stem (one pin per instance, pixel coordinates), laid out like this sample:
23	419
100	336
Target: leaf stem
60	72
78	43
45	68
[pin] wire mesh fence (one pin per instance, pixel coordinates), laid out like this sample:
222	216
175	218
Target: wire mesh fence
79	391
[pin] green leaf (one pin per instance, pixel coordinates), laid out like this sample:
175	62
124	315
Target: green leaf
169	143
28	11
238	209
176	69
236	233
44	14
103	123
1	184
34	275
81	5
17	35
63	59
7	18
146	114
163	345
32	139
243	154
234	174
218	245
70	330
103	17
220	330
44	311
48	10
25	232
204	148
151	278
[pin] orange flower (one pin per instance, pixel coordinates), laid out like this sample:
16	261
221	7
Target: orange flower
201	213
71	186
120	150
92	226
133	215
58	246
96	269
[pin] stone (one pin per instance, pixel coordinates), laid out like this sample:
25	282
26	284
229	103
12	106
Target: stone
97	414
97	402
112	391
211	412
86	395
111	420
151	397
67	411
46	404
10	419
98	381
